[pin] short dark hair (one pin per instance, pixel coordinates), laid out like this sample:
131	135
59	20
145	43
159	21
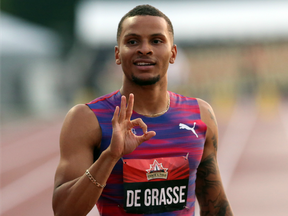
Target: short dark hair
144	10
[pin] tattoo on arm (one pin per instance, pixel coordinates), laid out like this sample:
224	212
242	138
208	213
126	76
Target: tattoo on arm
212	116
214	140
210	194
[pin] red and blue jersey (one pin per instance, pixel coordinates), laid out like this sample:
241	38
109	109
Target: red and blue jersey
179	132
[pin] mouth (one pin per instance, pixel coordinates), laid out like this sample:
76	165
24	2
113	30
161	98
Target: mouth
144	62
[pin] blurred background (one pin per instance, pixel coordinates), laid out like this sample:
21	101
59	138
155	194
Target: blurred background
233	54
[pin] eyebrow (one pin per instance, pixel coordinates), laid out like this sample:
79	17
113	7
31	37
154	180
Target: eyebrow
158	35
131	35
153	35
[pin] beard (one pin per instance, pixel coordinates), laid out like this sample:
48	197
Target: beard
145	82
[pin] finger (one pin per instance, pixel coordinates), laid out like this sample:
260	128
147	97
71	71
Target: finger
122	109
139	122
146	136
115	115
129	110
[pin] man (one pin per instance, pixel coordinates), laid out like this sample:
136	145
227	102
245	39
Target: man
108	155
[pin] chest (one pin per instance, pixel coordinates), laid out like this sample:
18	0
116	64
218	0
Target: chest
177	134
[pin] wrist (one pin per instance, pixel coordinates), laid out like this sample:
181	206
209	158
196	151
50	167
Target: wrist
113	158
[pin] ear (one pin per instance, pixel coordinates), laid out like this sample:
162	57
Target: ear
117	56
173	54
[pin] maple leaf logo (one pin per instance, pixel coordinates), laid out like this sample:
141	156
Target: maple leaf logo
157	171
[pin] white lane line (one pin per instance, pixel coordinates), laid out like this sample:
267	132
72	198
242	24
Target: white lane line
30	148
283	112
28	186
235	139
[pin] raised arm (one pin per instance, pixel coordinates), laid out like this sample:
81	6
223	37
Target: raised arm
209	189
74	193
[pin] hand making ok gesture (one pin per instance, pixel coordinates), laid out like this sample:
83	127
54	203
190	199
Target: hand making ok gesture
123	141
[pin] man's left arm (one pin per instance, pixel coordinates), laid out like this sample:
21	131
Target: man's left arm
209	189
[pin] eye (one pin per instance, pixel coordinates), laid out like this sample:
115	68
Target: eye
157	41
132	42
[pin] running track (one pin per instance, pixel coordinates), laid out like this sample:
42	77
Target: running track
253	159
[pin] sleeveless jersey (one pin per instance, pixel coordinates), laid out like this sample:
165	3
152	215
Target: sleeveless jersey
179	132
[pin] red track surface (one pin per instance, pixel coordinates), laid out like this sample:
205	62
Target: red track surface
253	159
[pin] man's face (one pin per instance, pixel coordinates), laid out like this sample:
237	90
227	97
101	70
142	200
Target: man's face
145	49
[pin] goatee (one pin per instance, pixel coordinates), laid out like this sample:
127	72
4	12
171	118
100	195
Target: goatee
145	82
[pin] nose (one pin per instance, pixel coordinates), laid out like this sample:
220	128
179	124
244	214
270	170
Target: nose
145	48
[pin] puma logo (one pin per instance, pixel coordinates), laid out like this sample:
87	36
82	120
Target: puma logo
184	126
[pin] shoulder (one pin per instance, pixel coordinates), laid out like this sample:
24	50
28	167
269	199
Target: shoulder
179	99
80	113
207	114
81	123
79	110
205	108
105	100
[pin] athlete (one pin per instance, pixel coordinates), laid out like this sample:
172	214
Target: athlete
141	150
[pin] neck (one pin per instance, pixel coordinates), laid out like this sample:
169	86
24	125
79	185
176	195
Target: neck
149	101
156	114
